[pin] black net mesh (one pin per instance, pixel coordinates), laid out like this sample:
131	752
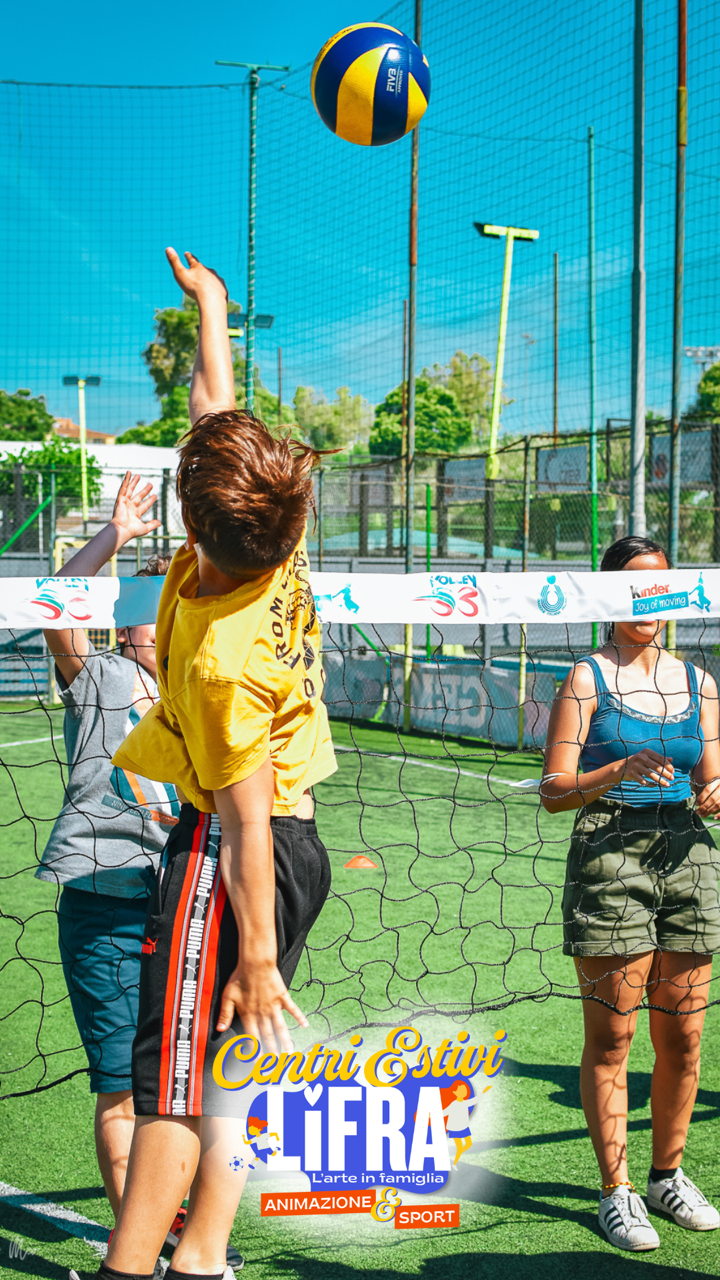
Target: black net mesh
448	874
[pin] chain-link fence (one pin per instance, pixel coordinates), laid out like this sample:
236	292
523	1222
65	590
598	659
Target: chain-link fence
539	509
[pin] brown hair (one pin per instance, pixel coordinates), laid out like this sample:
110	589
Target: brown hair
245	493
156	566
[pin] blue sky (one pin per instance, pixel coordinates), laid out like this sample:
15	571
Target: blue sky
94	183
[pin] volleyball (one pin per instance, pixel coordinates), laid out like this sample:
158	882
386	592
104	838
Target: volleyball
370	84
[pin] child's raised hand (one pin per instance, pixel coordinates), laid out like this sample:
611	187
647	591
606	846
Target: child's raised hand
198	282
130	507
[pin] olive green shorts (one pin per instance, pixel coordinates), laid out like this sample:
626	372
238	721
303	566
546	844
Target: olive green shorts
640	880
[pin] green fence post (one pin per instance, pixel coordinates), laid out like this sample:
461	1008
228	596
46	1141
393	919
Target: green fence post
428	555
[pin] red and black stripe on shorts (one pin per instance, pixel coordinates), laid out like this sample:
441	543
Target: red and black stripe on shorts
191	948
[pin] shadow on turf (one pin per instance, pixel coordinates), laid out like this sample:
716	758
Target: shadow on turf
65	1194
35	1230
572	1265
31	1265
567	1082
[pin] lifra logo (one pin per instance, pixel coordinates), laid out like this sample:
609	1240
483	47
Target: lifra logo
551	599
399	1118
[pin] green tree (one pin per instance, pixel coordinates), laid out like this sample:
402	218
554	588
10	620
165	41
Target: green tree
332	424
173	422
706	407
65	458
24	416
470	378
440	424
171	354
170	358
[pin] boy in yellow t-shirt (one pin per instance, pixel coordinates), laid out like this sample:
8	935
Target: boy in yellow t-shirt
242	731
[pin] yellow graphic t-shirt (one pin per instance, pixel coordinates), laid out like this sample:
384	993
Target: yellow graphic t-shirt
240	678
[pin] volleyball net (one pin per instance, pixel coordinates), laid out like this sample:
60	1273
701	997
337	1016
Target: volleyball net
448	874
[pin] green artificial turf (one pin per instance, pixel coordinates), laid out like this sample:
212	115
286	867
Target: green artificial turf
464	905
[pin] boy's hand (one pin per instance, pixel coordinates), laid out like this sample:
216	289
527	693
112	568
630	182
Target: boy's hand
198	282
130	507
258	995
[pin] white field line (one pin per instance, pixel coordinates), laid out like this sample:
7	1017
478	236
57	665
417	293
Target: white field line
527	784
22	741
75	1224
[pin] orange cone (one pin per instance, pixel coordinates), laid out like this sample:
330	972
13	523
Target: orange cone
361	863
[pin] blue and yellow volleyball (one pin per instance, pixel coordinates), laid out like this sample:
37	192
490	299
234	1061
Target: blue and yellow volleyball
370	84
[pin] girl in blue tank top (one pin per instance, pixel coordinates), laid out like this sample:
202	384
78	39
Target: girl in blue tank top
618	731
633	737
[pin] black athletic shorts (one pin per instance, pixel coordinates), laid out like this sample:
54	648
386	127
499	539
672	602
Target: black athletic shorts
191	948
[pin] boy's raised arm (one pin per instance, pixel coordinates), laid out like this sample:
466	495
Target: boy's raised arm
70	647
213	384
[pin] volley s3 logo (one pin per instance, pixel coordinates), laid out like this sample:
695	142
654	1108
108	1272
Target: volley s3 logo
551	599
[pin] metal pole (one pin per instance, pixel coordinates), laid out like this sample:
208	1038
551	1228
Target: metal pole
40	514
410	454
250	317
404	388
403	427
491	465
637	410
321	473
112	633
428	557
254	68
83	452
526	507
522	673
279	386
53	521
592	344
556	336
164	516
676	430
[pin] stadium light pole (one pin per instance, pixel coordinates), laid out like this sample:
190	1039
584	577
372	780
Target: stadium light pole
681	148
556	343
703	357
592	352
637	396
254	81
71	380
491	467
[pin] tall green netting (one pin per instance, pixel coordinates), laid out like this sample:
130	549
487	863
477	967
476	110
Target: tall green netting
462	911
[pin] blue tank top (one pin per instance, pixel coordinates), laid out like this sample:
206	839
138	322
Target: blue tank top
618	731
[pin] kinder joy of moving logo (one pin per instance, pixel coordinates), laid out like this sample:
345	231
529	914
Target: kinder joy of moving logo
399	1119
660	599
551	599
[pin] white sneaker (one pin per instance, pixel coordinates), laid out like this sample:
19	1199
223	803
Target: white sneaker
684	1202
624	1220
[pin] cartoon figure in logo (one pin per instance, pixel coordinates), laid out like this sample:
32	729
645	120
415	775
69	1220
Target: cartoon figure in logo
458	1116
555	604
347	600
703	601
261	1144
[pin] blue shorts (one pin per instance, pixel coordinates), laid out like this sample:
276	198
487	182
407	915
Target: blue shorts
100	947
459	1133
